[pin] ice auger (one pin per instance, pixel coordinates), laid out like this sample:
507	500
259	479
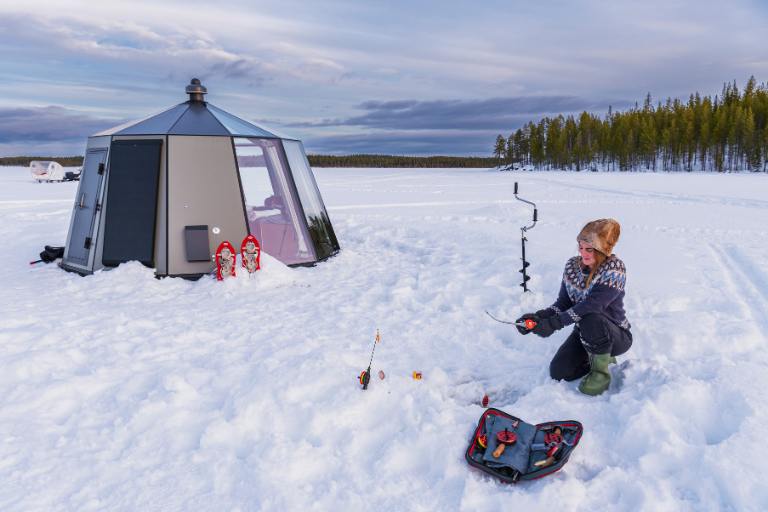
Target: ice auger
523	230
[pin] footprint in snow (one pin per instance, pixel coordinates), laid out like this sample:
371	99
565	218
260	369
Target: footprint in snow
503	397
471	391
618	374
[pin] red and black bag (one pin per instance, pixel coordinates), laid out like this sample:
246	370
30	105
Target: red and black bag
528	451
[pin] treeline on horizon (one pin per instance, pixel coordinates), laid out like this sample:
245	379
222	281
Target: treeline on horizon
364	160
65	161
318	161
726	133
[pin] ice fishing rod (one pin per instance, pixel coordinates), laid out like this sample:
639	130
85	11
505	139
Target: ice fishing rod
528	323
523	230
365	376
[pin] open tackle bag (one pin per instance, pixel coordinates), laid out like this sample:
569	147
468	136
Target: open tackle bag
512	450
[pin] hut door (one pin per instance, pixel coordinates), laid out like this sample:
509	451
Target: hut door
91	178
131	203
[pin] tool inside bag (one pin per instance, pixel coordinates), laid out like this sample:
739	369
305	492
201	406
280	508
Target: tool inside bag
512	450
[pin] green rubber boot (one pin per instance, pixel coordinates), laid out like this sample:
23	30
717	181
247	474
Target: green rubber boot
599	378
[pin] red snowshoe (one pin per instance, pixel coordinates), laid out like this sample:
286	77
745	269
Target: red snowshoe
250	254
225	260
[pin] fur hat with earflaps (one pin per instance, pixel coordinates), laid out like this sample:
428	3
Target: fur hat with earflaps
602	234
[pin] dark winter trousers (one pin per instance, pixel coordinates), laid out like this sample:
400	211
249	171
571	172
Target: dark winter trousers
594	333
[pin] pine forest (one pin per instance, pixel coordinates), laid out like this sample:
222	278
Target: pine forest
726	133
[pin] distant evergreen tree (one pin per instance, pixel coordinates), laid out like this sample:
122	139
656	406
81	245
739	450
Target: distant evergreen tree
501	148
510	153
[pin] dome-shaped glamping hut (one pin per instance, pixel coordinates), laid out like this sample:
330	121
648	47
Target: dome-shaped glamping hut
166	190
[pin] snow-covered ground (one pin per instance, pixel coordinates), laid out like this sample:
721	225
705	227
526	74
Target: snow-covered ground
122	392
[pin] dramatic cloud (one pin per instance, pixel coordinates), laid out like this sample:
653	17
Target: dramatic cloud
48	124
404	143
114	46
491	114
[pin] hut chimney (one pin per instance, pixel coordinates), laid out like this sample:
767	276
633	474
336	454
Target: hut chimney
196	91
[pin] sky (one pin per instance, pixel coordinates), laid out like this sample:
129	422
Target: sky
392	77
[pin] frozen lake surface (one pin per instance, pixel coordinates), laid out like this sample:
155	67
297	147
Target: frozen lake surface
124	392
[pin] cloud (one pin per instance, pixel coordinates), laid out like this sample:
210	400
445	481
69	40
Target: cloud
114	47
404	143
48	124
155	48
237	69
444	127
407	127
292	61
487	114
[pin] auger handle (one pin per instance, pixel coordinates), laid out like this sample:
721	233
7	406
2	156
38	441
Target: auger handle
535	211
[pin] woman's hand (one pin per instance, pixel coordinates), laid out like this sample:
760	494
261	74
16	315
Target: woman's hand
528	316
546	326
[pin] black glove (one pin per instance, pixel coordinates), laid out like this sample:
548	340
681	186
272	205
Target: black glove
523	330
545	313
546	326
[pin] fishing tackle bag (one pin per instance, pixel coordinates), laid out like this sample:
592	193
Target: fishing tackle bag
538	450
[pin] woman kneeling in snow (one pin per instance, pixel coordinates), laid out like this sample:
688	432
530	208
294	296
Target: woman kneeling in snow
592	297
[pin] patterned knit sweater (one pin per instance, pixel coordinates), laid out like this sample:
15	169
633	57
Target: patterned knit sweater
605	294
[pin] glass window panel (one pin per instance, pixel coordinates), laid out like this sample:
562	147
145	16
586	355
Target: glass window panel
320	229
274	216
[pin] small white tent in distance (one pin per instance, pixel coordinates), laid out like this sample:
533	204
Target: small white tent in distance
46	170
168	189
